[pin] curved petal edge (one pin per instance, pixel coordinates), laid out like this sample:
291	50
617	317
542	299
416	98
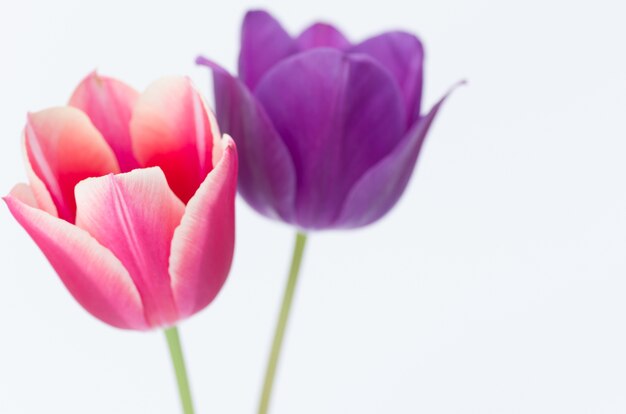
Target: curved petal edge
203	243
109	103
92	274
378	190
264	42
267	178
171	128
322	35
134	215
402	54
63	147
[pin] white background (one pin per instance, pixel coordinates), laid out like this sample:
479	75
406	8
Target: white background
497	285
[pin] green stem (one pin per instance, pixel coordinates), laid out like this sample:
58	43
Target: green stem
176	352
281	325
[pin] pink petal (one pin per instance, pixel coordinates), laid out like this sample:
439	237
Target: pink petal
63	148
109	104
202	248
171	128
38	188
92	274
134	215
24	193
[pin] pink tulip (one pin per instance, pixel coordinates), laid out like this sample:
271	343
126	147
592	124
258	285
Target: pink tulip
131	199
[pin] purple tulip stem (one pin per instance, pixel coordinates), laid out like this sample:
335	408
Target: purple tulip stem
281	325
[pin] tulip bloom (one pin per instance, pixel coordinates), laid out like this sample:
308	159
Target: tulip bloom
131	199
328	131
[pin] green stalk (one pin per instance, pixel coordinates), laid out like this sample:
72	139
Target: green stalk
281	325
176	352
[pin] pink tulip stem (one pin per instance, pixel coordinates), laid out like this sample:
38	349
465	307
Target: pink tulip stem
281	325
176	352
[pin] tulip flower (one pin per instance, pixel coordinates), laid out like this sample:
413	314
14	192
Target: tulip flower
328	131
131	199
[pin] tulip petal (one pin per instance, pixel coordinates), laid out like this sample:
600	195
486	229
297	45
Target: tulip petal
322	35
266	172
378	190
92	274
264	43
171	128
134	215
338	114
24	193
109	104
63	148
402	54
202	247
38	188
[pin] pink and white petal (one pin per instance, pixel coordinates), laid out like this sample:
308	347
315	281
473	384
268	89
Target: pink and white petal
92	274
134	215
109	105
63	148
38	188
203	244
217	151
171	129
24	193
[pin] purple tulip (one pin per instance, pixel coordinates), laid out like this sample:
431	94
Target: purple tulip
328	132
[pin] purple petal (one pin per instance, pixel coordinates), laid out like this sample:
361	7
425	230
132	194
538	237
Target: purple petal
264	43
401	54
338	114
322	35
379	189
266	173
